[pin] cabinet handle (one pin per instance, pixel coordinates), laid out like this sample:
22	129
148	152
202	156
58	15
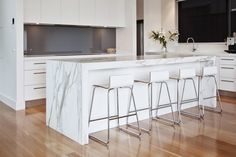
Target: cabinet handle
234	9
39	63
227	81
227	59
39	73
39	88
226	68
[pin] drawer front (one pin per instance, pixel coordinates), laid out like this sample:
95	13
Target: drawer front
227	60
228	85
35	77
37	64
35	92
228	71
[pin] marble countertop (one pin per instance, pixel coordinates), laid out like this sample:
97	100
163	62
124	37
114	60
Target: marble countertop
61	56
162	58
200	53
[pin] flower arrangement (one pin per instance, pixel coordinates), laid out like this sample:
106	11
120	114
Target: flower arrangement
163	37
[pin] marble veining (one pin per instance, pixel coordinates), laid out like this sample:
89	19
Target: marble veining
69	83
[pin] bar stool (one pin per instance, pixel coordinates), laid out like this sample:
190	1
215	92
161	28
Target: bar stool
115	83
187	75
210	72
158	77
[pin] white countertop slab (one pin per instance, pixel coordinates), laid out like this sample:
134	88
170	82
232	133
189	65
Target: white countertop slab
208	53
46	57
171	56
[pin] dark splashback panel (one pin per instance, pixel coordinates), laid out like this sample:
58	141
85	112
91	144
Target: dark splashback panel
68	39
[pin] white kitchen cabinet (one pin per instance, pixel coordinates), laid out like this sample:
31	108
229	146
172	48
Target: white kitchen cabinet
118	13
34	79
50	11
87	12
32	11
102	12
35	64
70	12
228	73
110	13
34	92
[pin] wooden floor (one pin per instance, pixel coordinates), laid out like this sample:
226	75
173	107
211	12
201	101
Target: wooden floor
24	134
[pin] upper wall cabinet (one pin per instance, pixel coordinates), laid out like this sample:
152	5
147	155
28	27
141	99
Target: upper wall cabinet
110	13
32	11
87	12
70	12
50	11
118	10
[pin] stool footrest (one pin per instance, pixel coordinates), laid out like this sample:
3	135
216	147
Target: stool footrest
105	143
135	127
191	114
162	106
165	120
211	97
113	117
130	132
189	101
213	110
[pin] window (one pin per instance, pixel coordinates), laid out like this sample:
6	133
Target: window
204	20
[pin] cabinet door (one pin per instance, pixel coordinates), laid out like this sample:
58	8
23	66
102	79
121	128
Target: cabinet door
50	11
110	13
87	12
102	12
32	11
70	12
117	10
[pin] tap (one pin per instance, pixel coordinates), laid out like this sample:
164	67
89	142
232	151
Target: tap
194	48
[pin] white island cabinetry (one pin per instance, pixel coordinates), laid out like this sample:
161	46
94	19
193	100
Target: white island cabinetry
69	89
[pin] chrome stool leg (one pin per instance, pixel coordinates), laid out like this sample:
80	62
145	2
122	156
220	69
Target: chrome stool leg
117	107
132	113
178	104
150	87
164	105
108	120
182	101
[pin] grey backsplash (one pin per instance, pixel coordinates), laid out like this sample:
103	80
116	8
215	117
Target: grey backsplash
43	39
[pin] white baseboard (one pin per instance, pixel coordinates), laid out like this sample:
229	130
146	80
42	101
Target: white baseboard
7	101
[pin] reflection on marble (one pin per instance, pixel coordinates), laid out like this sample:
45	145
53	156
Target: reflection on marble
69	83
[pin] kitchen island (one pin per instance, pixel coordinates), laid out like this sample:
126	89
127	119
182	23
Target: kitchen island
69	84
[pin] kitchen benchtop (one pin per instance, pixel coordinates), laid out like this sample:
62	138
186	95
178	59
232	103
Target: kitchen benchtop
201	53
65	56
125	61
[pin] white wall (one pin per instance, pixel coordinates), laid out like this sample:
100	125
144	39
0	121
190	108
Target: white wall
8	56
10	51
126	37
152	21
